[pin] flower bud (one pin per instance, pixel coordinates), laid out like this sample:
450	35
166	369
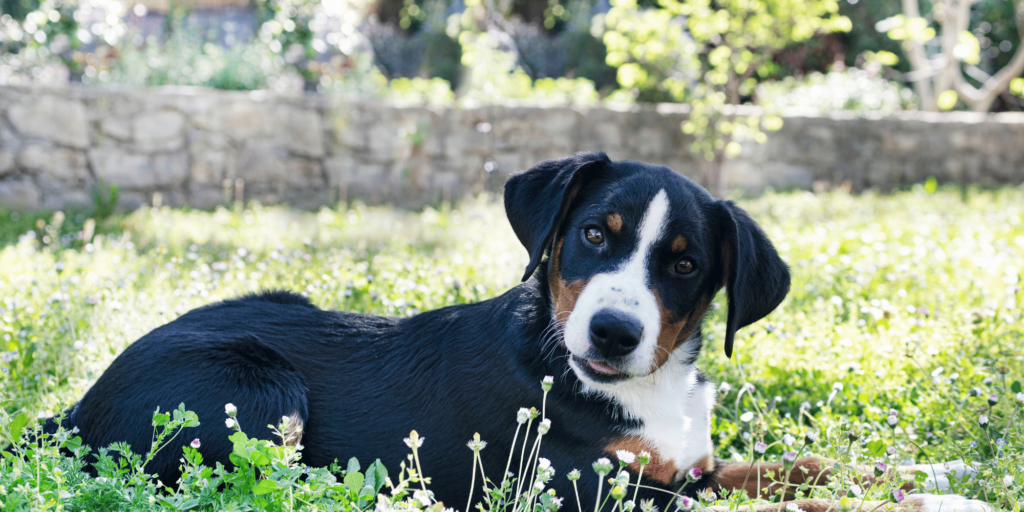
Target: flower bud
547	383
880	469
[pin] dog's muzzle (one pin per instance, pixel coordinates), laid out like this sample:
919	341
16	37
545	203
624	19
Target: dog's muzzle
615	333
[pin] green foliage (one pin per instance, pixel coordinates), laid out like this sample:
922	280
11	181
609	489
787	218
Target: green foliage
908	302
852	90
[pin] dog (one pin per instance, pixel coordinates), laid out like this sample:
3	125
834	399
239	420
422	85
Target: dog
624	261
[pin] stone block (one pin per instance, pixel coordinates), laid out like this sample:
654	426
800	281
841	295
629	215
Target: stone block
162	130
123	168
6	162
171	169
54	164
20	194
52	118
300	131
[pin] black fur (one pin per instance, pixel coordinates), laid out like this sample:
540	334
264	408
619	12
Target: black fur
360	383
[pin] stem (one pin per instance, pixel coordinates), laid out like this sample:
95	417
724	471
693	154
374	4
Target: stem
419	469
472	481
576	490
600	484
637	490
511	451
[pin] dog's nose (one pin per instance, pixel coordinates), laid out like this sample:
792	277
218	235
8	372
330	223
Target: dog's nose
615	333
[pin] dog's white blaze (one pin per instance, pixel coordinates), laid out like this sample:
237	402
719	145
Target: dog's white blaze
625	289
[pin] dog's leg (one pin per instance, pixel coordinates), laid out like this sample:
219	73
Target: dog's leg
938	474
764	479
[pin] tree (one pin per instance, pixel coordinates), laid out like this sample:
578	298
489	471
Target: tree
940	80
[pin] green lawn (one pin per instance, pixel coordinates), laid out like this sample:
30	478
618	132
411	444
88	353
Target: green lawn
902	302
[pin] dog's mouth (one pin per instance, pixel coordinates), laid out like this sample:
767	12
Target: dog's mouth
599	371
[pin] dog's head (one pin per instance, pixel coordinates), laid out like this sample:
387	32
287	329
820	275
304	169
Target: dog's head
636	253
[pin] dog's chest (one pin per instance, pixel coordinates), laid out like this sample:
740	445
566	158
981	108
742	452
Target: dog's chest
675	411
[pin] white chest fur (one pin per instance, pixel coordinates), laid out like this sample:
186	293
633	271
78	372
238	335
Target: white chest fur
674	408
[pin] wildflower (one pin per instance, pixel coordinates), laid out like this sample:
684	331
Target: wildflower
522	415
749	388
724	388
707	495
230	423
788	440
974	444
617	492
792	507
845	505
476	444
987	381
602	467
573	475
1008	481
993	399
880	468
628	505
622	478
1000	442
538	486
788	460
424	497
747	416
810	438
1020	397
414	440
983	421
625	456
644	459
891	451
647	506
838	386
974	392
856	491
230	410
544	426
898	496
694	474
686	503
547	383
760	447
852	435
892	421
195	444
556	503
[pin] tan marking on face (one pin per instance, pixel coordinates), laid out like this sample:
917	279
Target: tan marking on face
661	471
614	221
675	331
679	244
563	294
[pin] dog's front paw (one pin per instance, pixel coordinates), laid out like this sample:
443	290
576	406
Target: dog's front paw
939	474
945	503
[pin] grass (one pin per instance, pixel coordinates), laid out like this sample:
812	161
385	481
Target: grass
909	303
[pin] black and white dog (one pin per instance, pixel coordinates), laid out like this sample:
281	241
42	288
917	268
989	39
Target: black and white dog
625	259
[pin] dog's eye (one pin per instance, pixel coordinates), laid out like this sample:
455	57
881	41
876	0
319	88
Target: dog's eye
594	235
684	266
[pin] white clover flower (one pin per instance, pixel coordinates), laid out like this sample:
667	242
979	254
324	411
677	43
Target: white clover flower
788	440
544	426
230	423
543	463
1008	481
625	456
686	503
724	388
230	410
892	420
523	415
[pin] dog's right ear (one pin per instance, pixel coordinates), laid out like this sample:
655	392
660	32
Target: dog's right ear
537	200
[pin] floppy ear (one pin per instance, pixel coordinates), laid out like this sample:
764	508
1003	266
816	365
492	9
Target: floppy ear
537	200
756	278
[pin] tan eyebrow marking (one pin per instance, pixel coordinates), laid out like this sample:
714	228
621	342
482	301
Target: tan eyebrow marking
679	244
614	221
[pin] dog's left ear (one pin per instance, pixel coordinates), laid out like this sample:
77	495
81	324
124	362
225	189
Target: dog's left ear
756	278
537	200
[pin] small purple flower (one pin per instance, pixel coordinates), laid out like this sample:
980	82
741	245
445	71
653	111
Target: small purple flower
880	469
686	503
993	399
898	496
974	444
195	443
891	451
760	447
788	460
694	474
892	420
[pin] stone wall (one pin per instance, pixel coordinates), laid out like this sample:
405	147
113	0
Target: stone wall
200	147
